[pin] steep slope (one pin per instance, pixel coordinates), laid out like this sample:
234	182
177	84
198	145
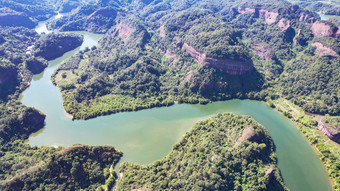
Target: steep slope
73	168
133	67
226	152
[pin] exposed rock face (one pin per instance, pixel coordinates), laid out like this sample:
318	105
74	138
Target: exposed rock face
297	36
270	17
247	134
307	18
162	31
337	34
331	132
169	54
270	173
229	66
283	24
243	10
15	20
124	31
262	51
324	50
250	135
321	29
105	12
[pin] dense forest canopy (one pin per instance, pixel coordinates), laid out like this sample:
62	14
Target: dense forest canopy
155	52
226	152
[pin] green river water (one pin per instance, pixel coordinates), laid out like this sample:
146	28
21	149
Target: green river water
148	135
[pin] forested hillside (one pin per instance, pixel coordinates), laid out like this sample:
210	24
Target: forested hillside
226	152
23	167
155	52
330	7
159	52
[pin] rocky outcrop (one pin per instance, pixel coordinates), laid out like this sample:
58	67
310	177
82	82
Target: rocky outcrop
243	10
263	51
337	34
162	31
124	31
229	66
331	132
323	50
105	12
16	20
284	24
297	37
247	134
270	173
269	17
321	29
306	18
250	135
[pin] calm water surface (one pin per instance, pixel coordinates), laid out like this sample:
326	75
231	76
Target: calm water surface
148	135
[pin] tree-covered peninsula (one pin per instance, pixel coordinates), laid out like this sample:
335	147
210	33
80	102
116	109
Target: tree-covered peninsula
225	152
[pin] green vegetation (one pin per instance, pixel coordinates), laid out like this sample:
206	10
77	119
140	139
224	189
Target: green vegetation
328	151
54	45
329	7
313	84
46	168
23	167
176	51
29	11
133	63
152	54
225	152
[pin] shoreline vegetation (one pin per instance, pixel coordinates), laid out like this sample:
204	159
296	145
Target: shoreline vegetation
301	62
203	161
325	148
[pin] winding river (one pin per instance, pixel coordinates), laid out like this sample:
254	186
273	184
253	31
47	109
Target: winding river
148	135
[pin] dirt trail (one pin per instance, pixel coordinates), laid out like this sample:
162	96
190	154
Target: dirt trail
296	111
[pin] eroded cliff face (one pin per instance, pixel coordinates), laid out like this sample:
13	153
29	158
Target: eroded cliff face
124	32
331	132
323	50
105	12
270	17
306	18
321	29
229	66
263	51
284	24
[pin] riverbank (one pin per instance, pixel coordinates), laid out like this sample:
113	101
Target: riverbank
324	148
134	132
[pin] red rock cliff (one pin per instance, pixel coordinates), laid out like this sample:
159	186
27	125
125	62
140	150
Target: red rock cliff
229	66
